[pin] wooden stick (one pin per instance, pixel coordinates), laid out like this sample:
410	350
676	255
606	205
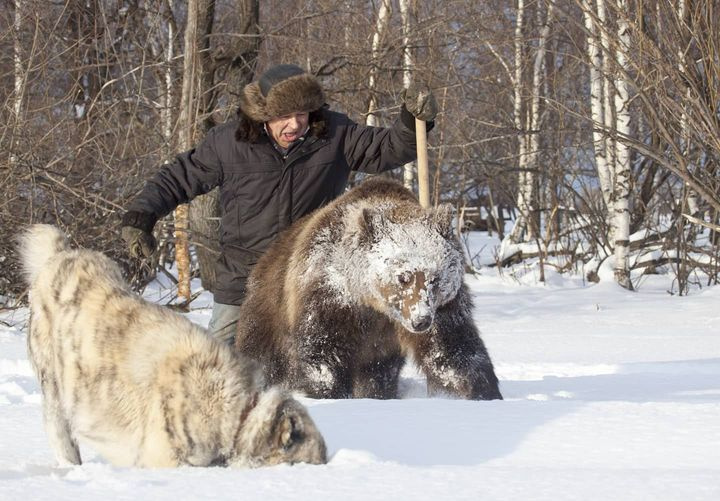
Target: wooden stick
422	163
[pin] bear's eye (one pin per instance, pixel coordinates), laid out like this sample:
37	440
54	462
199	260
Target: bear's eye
404	278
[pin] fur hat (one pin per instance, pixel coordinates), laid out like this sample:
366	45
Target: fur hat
281	90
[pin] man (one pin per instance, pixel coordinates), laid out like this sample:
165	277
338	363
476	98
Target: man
286	155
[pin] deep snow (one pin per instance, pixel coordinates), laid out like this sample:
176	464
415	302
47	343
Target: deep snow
608	395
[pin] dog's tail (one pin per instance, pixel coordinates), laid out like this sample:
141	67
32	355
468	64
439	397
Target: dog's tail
37	245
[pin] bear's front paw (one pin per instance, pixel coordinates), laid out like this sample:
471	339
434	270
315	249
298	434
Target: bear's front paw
474	381
320	381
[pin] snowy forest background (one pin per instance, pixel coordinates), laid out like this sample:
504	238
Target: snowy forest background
591	125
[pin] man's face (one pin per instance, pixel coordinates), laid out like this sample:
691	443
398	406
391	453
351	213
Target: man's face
288	128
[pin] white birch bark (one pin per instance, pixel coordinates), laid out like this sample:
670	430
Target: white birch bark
380	27
347	32
597	93
538	74
19	73
622	172
409	168
523	202
608	91
17	60
166	114
537	92
692	198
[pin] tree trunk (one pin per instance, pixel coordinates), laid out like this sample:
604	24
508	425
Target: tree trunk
597	100
189	102
383	17
609	121
623	172
409	168
167	116
240	61
166	113
691	198
533	152
524	190
19	76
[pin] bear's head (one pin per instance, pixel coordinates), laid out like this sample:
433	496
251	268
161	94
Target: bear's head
414	262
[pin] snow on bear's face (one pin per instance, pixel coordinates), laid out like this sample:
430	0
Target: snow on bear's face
414	266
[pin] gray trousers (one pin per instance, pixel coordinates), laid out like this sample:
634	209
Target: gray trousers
223	322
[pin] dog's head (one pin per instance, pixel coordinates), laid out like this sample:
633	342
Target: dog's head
278	430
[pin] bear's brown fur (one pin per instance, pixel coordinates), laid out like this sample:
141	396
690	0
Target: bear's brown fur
345	294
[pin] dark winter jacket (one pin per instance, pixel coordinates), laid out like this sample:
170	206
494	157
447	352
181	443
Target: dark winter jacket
262	193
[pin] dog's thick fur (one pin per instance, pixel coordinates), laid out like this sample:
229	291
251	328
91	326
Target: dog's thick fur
344	295
141	384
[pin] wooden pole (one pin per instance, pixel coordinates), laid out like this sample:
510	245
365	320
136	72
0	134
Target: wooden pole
422	163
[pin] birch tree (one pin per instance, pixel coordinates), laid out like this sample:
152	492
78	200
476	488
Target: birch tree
381	25
19	76
527	118
166	113
682	15
608	72
534	119
19	73
525	180
621	191
166	19
607	52
407	64
597	101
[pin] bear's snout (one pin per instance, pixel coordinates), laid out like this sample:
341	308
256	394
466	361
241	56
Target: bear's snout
421	324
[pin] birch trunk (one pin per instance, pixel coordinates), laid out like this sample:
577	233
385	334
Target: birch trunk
692	198
19	77
380	28
623	173
409	168
524	186
17	59
597	102
537	92
608	92
166	113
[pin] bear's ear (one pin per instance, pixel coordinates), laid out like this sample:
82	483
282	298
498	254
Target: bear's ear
370	224
441	219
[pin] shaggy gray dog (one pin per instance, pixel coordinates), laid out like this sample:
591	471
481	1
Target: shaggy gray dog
141	384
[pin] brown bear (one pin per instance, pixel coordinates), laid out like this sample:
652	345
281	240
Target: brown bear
345	294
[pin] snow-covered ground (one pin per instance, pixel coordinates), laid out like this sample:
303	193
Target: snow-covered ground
608	395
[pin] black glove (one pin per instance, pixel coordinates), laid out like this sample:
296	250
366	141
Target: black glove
420	101
137	233
140	243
